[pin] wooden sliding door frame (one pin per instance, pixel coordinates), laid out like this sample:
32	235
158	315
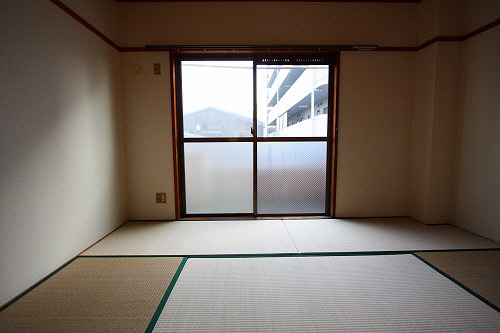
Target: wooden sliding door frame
307	56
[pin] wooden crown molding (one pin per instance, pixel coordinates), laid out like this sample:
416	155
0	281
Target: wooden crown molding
366	1
431	41
83	22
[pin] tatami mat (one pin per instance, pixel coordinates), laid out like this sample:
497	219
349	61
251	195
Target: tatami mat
477	270
94	295
182	238
197	237
392	293
382	234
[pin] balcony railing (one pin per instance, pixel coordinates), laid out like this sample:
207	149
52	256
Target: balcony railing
317	126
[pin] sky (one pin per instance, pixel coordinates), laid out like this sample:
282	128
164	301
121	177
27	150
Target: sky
226	85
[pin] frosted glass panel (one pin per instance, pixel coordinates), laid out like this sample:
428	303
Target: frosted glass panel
291	177
219	177
292	100
217	98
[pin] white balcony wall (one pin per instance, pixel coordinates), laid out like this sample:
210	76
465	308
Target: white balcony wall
273	114
282	73
298	90
317	126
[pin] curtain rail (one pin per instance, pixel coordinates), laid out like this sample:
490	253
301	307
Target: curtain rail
262	47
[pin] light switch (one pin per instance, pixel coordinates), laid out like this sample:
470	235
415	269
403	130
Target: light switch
161	197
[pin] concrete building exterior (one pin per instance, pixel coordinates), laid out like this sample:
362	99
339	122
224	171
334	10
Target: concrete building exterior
296	100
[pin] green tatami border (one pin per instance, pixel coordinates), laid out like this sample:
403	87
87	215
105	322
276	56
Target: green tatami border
287	254
15	299
458	283
165	297
261	255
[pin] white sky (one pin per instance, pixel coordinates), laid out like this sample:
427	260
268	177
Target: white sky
226	85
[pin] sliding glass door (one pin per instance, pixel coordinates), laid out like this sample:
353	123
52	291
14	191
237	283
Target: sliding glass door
217	119
255	134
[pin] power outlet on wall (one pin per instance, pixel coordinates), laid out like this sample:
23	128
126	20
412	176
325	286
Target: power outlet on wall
157	69
161	197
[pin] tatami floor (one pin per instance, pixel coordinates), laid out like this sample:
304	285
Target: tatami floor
327	275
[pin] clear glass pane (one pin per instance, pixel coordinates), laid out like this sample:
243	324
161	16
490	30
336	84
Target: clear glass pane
292	101
218	177
217	98
291	177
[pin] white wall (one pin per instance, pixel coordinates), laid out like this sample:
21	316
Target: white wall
61	186
435	113
374	137
62	178
101	14
422	132
434	133
478	145
428	20
454	170
478	13
148	124
261	23
374	134
372	121
440	18
444	120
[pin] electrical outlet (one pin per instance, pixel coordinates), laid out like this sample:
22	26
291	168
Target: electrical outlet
161	197
157	69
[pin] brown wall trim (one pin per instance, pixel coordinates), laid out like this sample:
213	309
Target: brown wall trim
335	136
397	48
175	136
440	39
250	217
139	49
373	217
481	30
86	24
431	41
382	1
109	233
252	49
458	38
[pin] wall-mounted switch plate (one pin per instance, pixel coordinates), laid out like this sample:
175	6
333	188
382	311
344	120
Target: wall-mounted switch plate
157	69
161	197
